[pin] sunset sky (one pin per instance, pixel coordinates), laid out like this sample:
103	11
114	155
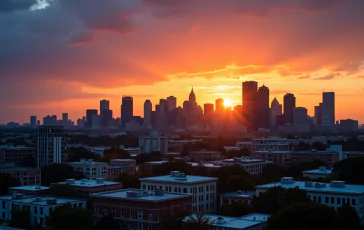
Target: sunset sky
65	55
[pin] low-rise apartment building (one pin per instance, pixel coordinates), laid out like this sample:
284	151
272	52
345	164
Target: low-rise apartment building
120	166
16	154
140	209
91	169
86	187
238	196
25	176
38	207
203	188
30	190
252	165
334	194
254	221
204	155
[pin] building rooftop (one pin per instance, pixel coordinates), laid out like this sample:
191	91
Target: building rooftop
240	194
321	171
47	200
88	183
83	162
9	228
122	160
243	160
31	188
140	195
179	177
309	186
243	222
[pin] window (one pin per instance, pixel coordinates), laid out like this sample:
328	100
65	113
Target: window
184	190
332	200
140	226
41	221
338	201
353	201
326	200
35	210
131	213
150	216
149	227
319	199
122	212
95	210
41	211
140	215
105	211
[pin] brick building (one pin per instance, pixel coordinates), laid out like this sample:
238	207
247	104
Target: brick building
140	209
120	166
26	176
16	154
30	190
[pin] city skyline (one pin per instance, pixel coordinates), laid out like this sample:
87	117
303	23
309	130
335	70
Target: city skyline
161	48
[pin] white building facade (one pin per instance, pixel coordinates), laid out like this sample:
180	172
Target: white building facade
153	142
38	207
91	169
334	194
203	189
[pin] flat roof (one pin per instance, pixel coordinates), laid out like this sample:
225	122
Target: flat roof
244	160
86	162
43	200
240	194
31	188
148	195
174	179
9	228
236	222
121	160
90	183
348	189
318	171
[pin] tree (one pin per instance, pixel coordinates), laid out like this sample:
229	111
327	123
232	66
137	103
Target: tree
107	222
67	217
129	180
350	170
6	181
166	168
276	198
235	209
58	173
115	153
172	220
63	190
198	222
303	216
76	154
20	219
29	161
349	217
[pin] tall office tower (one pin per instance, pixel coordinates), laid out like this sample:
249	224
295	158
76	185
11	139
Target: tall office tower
208	110
64	118
289	103
163	103
219	105
328	109
38	123
192	97
318	115
33	121
104	105
51	145
186	112
106	118
275	110
162	115
147	113
262	106
90	113
249	94
172	103
126	110
300	116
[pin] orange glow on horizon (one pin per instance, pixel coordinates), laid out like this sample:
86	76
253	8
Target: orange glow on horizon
227	103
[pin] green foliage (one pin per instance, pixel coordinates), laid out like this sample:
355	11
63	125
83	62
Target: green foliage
58	173
172	220
7	181
350	170
166	168
303	216
349	217
236	209
129	180
276	198
237	153
76	154
229	175
107	222
115	153
20	219
66	217
63	190
153	156
125	140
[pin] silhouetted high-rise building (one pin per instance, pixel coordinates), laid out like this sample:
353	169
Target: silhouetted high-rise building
249	94
328	109
126	110
300	116
192	97
51	145
90	113
147	113
33	121
208	111
219	105
275	110
262	108
64	118
318	115
172	103
186	112
104	105
106	117
289	103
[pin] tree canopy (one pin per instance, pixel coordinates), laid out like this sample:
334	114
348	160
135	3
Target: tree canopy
350	170
6	181
303	216
198	221
76	154
107	222
349	217
63	190
58	173
20	219
236	209
129	180
115	153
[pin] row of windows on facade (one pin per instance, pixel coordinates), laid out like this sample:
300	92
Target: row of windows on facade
200	207
35	208
331	200
180	190
201	198
139	214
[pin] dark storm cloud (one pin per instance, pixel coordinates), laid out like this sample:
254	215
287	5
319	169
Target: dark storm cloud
13	5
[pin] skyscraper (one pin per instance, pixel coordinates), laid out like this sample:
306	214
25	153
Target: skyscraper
208	110
104	105
147	113
262	106
249	94
51	145
318	115
172	103
328	109
126	110
275	110
300	116
219	105
289	103
105	113
192	97
64	118
90	113
33	121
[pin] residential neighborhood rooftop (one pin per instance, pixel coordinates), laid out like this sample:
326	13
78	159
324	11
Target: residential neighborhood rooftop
179	177
31	188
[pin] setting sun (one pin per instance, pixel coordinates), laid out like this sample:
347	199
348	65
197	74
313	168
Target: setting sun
227	103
